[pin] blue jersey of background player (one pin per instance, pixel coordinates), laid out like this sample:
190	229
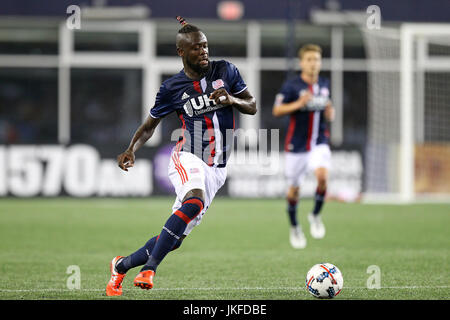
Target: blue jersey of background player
204	121
204	95
308	126
306	99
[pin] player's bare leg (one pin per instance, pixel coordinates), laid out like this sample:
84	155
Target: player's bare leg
293	193
296	236
317	227
322	178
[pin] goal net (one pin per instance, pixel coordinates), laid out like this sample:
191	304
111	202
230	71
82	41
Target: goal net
407	154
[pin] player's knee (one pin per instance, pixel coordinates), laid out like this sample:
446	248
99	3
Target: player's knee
322	182
190	209
322	177
195	193
293	193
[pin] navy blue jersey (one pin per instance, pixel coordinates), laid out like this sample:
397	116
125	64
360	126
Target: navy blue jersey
207	127
307	127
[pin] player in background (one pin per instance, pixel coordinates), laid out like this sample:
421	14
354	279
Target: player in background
204	94
306	99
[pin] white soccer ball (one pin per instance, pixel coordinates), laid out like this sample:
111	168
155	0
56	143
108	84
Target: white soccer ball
324	281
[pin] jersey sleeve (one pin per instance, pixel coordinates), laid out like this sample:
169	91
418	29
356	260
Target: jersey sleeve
236	83
286	94
163	103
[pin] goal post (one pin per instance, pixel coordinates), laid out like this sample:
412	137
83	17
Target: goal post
409	112
406	158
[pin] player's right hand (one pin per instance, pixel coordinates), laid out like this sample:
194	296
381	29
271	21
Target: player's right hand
125	160
304	99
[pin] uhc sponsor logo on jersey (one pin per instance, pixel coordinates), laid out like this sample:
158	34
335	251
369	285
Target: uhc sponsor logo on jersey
317	102
200	104
217	84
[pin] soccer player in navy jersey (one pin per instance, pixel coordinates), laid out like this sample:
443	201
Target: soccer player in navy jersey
204	95
306	99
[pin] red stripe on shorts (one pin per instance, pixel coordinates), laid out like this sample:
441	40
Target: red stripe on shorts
180	169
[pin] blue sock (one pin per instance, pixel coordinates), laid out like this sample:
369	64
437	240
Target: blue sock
140	256
319	200
136	258
173	231
292	212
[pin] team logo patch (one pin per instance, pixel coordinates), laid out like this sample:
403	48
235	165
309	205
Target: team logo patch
324	92
218	84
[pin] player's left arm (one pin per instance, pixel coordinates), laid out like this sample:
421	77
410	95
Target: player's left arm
243	101
329	111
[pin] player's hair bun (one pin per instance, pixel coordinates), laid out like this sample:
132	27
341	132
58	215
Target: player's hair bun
182	21
186	27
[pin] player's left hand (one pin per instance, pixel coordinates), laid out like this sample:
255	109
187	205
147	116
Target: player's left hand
329	112
221	96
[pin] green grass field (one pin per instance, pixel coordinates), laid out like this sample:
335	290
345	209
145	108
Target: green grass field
239	251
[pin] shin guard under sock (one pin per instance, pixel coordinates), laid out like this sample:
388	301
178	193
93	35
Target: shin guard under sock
173	231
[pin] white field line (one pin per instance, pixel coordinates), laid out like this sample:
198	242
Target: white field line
216	289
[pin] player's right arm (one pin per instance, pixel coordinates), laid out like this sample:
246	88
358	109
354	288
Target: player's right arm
126	159
281	109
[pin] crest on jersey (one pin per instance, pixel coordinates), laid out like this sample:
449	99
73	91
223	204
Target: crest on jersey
324	92
217	84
